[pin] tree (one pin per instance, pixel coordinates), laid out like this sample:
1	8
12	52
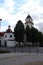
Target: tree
34	35
40	38
28	34
19	31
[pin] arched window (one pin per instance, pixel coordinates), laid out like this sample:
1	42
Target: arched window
10	36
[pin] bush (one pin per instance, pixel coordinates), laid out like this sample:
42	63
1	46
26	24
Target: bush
4	51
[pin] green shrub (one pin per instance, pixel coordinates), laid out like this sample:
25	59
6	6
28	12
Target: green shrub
4	51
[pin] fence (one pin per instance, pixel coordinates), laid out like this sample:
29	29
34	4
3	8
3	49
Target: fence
23	49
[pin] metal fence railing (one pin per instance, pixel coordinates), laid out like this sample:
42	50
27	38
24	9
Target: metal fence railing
24	49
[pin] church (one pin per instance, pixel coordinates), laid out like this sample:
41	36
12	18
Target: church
7	38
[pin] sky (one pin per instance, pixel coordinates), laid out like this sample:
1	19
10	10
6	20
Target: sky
13	10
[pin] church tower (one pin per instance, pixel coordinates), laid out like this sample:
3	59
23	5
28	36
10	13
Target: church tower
29	21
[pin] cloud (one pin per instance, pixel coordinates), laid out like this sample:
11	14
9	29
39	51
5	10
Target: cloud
40	26
33	8
9	5
11	12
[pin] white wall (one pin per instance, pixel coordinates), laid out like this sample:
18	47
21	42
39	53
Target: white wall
8	36
9	40
10	43
28	20
29	24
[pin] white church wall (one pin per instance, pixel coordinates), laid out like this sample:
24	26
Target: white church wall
7	36
10	44
29	24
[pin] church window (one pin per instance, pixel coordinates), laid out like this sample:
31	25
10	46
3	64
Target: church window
10	36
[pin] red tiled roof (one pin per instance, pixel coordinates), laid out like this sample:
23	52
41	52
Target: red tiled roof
2	33
8	31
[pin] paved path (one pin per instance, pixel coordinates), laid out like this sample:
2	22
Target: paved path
19	58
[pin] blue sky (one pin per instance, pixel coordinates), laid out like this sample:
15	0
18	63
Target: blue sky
13	10
1	1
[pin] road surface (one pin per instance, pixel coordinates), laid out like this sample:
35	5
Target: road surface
19	58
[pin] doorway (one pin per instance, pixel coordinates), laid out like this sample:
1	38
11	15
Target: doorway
0	43
5	43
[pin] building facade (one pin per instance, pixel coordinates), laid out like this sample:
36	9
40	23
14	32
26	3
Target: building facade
7	38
